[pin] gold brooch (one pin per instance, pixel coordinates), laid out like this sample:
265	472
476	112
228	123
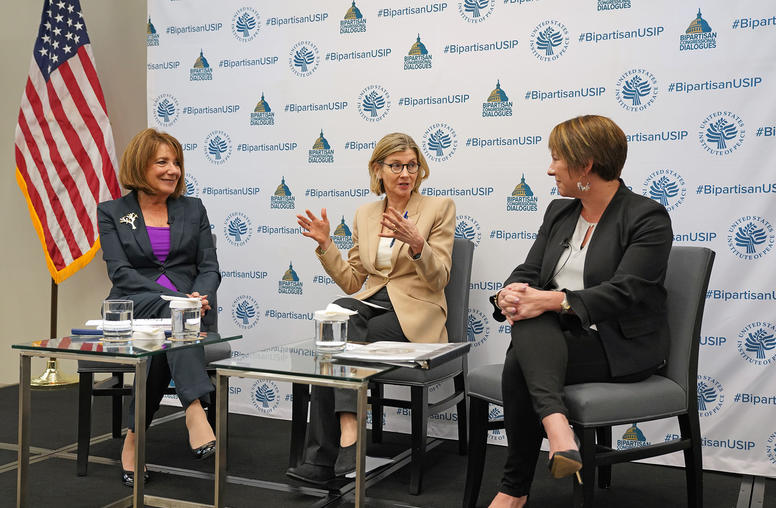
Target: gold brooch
129	219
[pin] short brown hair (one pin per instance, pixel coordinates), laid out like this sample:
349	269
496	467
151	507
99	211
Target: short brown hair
392	143
591	138
138	155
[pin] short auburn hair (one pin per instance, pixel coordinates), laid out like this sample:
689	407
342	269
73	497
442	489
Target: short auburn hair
138	155
392	143
591	138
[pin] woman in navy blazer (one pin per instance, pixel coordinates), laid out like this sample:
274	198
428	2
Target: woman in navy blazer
588	303
157	242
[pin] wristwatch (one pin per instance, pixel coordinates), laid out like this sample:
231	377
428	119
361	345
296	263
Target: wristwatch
494	300
565	308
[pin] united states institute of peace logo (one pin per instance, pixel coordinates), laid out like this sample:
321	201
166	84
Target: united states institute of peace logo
165	110
710	396
304	58
282	197
374	103
245	312
496	413
522	198
770	448
417	57
265	396
192	186
245	24
549	40
321	152
467	227
497	103
477	328
152	38
218	147
632	438
342	237
237	229
750	237
476	11
262	114
290	284
608	5
721	133
439	142
201	70
667	187
757	343
354	21
636	90
698	35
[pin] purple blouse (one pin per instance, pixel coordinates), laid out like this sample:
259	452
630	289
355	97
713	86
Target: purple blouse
160	245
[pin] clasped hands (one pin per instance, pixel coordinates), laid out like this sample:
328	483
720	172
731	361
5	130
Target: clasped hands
520	301
202	298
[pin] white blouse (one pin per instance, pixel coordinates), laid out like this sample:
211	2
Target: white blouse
569	272
383	258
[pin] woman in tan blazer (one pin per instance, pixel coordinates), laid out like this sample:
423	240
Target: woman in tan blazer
402	247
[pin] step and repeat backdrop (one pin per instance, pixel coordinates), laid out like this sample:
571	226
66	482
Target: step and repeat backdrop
279	105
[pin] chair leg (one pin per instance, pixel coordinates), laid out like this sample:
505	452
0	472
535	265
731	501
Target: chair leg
604	437
419	398
85	381
299	405
117	405
693	460
377	390
459	382
211	409
583	494
478	439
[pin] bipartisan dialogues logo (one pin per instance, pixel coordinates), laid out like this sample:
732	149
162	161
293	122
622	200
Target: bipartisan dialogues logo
282	198
245	24
750	237
439	142
290	284
608	5
262	113
152	38
237	229
467	227
549	40
522	198
721	133
665	186
374	103
353	22
418	56
303	59
710	396
265	396
497	103
342	237
322	152
476	11
757	343
201	70
192	186
698	35
218	147
477	328
165	110
245	312
632	438
636	90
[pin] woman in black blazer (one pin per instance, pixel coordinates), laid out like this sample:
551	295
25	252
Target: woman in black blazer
588	303
157	242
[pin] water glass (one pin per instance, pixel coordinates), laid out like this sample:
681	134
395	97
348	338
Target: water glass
185	318
117	320
331	332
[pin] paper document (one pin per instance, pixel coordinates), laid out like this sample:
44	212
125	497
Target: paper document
163	323
404	354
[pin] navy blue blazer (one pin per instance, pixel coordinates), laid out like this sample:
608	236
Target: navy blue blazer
133	268
625	268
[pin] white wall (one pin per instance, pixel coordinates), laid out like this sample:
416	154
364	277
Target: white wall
117	32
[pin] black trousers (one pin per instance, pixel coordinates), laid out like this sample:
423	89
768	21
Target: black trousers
187	369
542	358
371	325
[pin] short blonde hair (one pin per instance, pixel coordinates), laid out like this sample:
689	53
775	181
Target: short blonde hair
138	155
392	143
591	138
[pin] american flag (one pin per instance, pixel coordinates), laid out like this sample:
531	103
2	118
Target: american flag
65	158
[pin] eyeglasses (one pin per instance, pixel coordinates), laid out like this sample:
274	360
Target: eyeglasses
397	168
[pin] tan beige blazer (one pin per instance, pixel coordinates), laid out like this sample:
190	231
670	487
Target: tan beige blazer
415	286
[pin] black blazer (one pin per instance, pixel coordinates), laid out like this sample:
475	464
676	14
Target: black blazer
624	272
132	267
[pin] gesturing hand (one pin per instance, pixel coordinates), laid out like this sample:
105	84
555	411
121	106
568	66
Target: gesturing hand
315	228
402	229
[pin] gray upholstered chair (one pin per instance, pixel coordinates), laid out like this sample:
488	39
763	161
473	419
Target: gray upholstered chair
595	407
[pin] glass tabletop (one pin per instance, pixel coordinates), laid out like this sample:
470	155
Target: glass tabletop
133	348
301	358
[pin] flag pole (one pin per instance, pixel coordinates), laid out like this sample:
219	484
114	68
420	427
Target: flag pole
52	377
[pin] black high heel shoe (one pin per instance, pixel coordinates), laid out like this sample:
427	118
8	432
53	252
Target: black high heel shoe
204	451
566	463
128	478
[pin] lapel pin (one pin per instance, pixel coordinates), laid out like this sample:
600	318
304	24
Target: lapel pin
129	219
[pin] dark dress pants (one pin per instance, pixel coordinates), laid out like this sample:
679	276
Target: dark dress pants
323	431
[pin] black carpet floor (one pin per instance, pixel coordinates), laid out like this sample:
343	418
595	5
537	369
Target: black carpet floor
258	449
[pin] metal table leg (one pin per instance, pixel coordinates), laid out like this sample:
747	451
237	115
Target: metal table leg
222	392
138	497
23	459
361	446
